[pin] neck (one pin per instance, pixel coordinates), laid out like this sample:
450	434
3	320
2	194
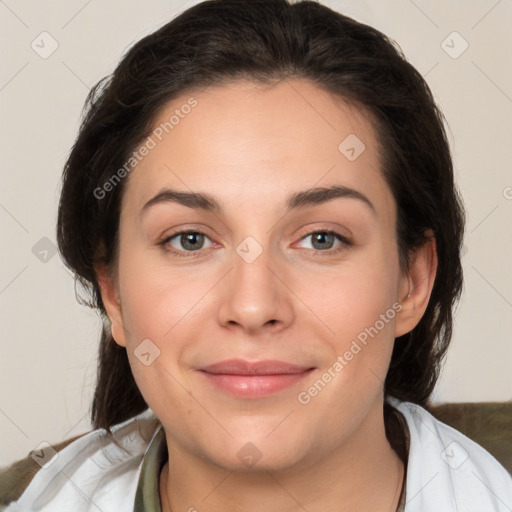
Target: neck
364	473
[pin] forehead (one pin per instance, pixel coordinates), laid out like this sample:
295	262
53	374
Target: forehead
248	142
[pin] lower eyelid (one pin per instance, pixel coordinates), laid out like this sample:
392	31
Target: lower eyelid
176	235
344	241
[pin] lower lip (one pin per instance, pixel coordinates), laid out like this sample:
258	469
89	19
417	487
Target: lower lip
254	386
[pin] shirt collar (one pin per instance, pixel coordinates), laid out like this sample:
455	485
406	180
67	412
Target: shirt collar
147	496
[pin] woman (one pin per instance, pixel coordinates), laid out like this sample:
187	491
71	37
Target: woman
242	365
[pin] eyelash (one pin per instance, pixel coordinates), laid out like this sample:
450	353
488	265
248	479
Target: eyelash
345	242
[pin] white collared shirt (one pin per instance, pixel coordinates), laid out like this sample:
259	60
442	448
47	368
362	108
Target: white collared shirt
447	472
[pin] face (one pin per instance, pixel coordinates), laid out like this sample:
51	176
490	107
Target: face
267	271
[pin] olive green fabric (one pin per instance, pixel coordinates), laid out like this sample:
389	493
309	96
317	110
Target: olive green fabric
147	497
14	479
489	424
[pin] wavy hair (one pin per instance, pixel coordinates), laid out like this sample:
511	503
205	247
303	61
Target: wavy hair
217	41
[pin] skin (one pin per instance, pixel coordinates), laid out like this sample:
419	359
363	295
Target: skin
252	146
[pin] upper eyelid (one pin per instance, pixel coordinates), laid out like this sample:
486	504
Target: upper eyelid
342	238
167	238
324	230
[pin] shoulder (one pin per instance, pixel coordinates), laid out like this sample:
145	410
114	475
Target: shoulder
86	471
445	467
16	477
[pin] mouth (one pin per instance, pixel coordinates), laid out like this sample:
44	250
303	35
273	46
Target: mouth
245	379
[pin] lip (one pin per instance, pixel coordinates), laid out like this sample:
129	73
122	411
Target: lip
246	379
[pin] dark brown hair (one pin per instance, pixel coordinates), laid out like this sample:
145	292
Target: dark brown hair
266	41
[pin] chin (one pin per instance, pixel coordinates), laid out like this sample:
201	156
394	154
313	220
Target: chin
258	453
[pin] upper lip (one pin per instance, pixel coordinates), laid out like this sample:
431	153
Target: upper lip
242	367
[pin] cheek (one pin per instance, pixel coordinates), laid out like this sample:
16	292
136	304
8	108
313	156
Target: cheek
157	300
358	307
354	297
159	310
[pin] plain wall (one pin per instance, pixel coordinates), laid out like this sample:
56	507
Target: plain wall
49	341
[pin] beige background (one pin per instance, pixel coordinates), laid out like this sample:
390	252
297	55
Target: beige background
49	342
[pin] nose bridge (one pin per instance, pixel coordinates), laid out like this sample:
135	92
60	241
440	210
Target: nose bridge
254	297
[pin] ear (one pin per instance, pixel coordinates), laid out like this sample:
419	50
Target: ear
111	301
416	286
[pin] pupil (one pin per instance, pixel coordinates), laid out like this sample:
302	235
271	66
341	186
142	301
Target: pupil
189	240
321	238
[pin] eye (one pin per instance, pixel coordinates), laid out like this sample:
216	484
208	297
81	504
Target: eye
185	241
193	241
326	241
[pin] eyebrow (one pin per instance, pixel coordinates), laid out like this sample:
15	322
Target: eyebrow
298	200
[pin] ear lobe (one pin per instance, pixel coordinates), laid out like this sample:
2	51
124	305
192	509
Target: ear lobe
112	303
417	286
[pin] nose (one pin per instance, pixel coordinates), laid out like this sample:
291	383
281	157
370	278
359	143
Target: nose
254	295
